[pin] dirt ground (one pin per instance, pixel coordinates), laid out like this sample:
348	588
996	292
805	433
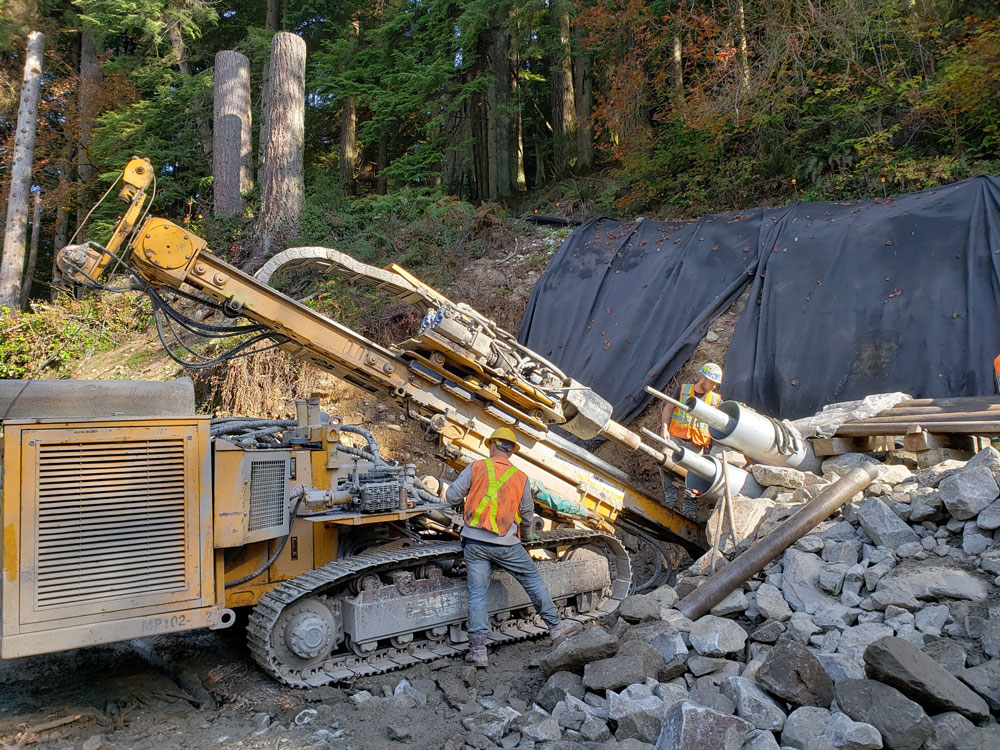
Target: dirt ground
120	700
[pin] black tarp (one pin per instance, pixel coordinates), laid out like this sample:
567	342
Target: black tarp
622	306
870	297
847	299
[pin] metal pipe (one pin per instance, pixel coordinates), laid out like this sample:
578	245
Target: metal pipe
959	401
866	429
707	477
954	416
719	586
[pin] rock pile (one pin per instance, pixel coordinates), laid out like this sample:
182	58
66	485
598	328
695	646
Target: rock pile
880	629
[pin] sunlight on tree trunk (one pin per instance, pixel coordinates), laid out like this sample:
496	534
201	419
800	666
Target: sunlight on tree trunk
15	231
563	99
282	143
232	157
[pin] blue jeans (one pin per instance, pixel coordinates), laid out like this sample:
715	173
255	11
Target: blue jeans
479	560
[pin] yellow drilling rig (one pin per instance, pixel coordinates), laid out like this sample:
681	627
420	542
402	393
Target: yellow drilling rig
125	514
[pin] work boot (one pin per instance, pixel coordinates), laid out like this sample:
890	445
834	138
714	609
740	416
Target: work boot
562	629
477	651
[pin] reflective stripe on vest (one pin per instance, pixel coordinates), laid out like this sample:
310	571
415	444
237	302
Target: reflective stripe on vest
475	508
684	425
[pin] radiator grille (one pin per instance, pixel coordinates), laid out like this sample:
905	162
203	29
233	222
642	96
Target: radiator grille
268	501
111	520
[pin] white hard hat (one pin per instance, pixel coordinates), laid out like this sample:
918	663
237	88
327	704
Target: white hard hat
711	371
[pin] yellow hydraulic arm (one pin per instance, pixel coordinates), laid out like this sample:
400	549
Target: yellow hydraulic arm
461	375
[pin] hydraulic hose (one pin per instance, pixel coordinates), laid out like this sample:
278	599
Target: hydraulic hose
369	438
284	540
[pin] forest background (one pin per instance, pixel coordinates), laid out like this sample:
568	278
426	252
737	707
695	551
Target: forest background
428	110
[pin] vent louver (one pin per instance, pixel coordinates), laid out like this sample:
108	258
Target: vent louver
268	494
111	521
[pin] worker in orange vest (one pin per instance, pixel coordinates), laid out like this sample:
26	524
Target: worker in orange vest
996	374
498	510
679	424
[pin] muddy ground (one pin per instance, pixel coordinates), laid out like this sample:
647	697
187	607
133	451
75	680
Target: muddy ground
123	701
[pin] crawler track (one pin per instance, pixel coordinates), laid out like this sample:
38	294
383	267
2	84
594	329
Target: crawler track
333	585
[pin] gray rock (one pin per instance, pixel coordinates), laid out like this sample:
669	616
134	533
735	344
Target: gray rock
926	505
846	734
760	740
702	665
777	476
902	723
979	738
753	704
735	602
794	674
640	608
805	729
908	669
399	732
771	603
931	619
641	725
968	491
934	475
715	636
712	698
974	541
801	627
948	728
854	641
810	543
842	667
800	586
557	687
631	699
985	680
493	723
841	552
931	583
544	731
989	517
884	527
990	638
988	458
831	577
595	730
625	668
688	726
990	562
571	655
947	653
769	632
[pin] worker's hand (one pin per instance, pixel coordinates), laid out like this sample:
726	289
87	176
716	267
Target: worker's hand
533	537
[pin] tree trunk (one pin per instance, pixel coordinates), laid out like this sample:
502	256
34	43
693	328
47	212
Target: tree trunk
86	97
381	162
744	55
498	97
349	129
179	58
273	18
15	231
563	99
282	142
231	147
29	273
677	64
583	87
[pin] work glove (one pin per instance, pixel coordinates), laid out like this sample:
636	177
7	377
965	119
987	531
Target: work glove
532	537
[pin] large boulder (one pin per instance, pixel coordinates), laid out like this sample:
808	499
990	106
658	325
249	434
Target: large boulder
884	527
492	723
716	636
574	653
687	726
948	727
903	724
634	662
846	734
968	491
908	669
794	674
778	476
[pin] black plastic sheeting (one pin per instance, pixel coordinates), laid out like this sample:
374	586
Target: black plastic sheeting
848	299
872	297
622	306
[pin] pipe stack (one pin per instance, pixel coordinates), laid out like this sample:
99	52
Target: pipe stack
971	415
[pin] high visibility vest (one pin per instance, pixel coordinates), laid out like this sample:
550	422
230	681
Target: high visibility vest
685	426
996	373
494	502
